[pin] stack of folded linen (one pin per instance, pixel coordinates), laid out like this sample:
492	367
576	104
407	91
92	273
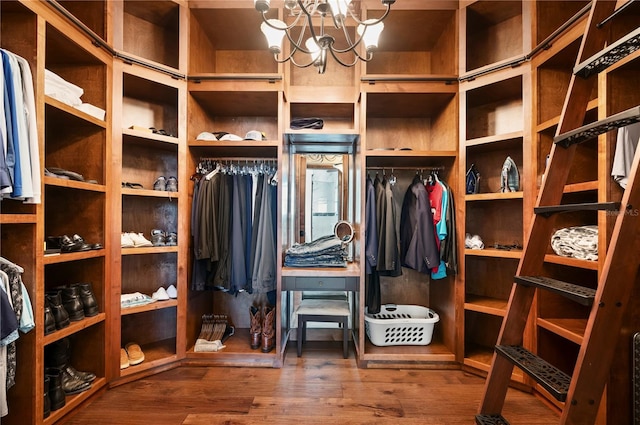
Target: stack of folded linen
135	299
327	251
66	92
577	242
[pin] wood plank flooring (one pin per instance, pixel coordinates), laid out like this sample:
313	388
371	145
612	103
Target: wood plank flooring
320	388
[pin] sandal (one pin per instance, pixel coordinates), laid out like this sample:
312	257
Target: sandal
132	185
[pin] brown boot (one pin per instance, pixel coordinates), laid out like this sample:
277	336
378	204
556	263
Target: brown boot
256	327
268	328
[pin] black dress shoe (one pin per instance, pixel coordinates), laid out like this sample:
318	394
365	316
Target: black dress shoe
89	302
60	315
72	384
72	303
49	320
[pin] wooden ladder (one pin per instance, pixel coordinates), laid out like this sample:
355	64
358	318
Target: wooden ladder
582	391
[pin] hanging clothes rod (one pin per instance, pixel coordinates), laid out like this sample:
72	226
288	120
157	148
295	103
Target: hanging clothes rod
238	159
438	168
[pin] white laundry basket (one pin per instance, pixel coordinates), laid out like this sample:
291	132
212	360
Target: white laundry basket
401	325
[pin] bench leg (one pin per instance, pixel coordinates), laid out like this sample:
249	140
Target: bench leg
345	338
300	331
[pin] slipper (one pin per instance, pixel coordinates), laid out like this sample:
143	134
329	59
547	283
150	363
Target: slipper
70	174
134	352
132	185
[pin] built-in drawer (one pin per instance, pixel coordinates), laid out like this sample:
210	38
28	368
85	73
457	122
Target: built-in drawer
319	283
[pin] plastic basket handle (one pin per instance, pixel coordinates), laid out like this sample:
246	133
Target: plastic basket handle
391	307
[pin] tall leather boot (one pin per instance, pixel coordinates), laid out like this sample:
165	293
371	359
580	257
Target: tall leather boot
89	302
47	400
72	303
49	320
56	393
58	355
60	315
268	329
256	327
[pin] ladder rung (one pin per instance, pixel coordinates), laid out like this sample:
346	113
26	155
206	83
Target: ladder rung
491	420
552	379
609	55
589	131
577	293
591	206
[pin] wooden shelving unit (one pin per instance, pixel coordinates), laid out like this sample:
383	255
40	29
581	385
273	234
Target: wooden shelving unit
494	123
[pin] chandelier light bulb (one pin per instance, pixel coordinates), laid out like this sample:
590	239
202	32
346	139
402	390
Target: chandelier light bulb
370	33
339	9
274	31
314	49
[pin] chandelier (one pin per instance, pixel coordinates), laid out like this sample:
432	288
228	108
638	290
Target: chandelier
315	42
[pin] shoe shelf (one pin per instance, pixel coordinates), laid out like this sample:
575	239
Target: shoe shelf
147	137
73	328
149	307
73	184
170	196
149	250
72	402
157	353
68	257
237	352
572	262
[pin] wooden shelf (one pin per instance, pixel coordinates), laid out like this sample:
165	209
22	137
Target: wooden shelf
436	351
157	354
237	352
571	329
486	305
149	250
352	269
73	328
74	184
74	112
581	187
491	252
73	256
18	219
571	262
149	135
172	196
157	305
240	144
73	402
494	196
506	137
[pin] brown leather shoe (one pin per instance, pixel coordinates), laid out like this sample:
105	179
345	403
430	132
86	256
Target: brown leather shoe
268	329
256	327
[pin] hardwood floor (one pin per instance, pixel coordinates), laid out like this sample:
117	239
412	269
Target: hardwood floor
320	388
